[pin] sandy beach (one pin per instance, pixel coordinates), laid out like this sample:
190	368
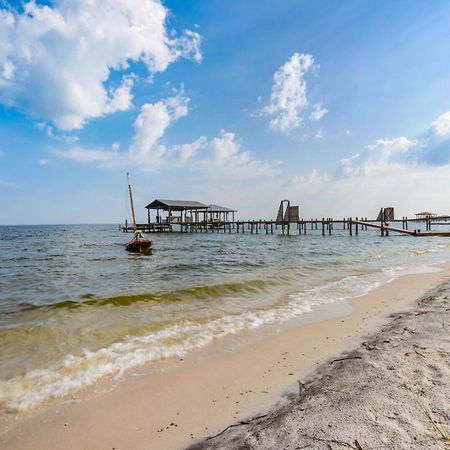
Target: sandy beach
391	392
176	403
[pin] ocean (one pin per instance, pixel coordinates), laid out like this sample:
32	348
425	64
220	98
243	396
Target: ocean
76	307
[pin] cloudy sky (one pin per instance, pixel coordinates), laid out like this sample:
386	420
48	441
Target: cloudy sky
342	107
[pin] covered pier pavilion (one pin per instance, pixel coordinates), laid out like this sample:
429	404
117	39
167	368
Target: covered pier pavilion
184	214
170	212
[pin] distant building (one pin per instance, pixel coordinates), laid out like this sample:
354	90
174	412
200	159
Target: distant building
425	215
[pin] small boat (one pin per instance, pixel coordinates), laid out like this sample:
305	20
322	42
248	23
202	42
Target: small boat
139	243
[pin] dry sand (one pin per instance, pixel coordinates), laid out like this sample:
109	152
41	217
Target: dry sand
171	404
392	392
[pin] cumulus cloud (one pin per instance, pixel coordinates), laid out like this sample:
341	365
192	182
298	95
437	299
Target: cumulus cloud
384	154
223	156
441	126
289	97
318	112
151	124
50	132
56	61
391	172
227	159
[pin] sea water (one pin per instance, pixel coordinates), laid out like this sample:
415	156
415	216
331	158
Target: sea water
76	307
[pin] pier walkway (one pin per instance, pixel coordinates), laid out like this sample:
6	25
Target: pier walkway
325	225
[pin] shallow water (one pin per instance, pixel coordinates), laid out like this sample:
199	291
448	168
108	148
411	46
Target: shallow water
75	306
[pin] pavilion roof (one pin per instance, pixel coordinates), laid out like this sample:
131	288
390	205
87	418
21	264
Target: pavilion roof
175	205
219	209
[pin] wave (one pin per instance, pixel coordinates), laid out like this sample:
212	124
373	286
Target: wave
183	295
80	370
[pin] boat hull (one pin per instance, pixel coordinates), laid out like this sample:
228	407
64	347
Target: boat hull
139	245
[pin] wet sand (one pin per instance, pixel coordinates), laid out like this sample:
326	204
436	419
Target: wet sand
175	403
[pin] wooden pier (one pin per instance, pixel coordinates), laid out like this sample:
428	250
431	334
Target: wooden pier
195	217
325	226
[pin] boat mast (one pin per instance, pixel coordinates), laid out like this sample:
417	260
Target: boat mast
132	205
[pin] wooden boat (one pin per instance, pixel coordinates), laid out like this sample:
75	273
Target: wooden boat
139	243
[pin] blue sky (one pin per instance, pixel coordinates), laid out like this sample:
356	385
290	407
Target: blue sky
343	107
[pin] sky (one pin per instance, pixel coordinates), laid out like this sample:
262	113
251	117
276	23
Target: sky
340	107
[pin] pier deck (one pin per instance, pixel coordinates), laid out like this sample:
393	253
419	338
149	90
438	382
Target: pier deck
325	225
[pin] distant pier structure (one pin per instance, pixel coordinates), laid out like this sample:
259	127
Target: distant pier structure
386	214
193	216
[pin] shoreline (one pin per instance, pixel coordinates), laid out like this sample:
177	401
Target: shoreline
389	392
174	403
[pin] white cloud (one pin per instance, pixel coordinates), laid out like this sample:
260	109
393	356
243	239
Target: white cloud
318	112
222	157
86	155
50	132
389	172
56	62
441	126
289	94
151	124
43	162
383	155
187	152
227	160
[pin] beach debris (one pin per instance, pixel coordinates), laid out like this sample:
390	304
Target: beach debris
368	346
301	388
345	359
241	423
